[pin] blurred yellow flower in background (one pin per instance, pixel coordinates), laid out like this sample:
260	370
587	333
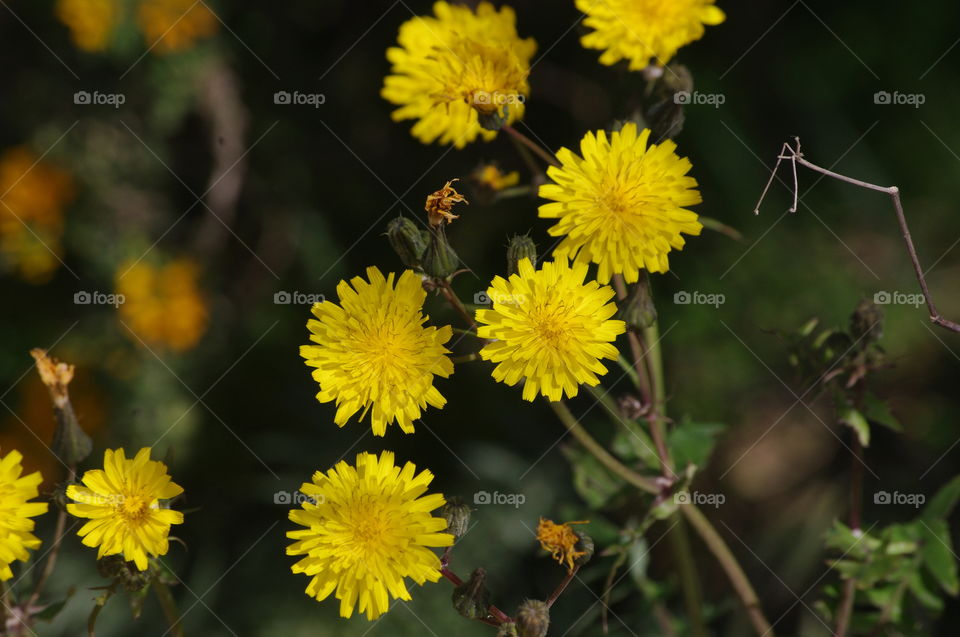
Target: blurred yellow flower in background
641	30
490	176
368	528
163	305
456	66
33	196
622	204
91	22
373	352
170	26
123	503
549	329
16	527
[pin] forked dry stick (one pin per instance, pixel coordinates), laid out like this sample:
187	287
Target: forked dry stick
795	156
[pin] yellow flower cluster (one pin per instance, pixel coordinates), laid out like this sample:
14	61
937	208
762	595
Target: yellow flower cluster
163	305
33	195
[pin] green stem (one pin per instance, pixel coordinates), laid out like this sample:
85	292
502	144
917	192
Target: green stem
465	358
543	153
730	566
680	544
597	451
657	417
169	606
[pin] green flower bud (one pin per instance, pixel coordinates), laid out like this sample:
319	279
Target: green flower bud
507	629
472	599
407	240
638	310
116	568
533	618
584	547
457	515
439	259
520	247
493	120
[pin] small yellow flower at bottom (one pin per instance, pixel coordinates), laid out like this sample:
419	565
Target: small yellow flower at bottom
16	527
368	528
560	540
123	503
549	328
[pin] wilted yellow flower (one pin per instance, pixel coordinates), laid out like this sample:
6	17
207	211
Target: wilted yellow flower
490	176
33	195
439	205
367	529
372	352
456	65
170	26
16	527
560	540
549	329
638	30
91	22
123	503
163	305
622	204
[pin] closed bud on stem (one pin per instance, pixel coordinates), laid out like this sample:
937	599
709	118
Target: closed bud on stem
407	240
584	547
116	568
493	120
472	599
519	248
638	310
439	259
507	629
533	618
866	323
457	515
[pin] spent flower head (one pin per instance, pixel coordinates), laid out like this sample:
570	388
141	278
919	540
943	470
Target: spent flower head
560	540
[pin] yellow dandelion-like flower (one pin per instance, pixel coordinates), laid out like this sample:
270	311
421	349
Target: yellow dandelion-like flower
171	26
16	527
491	177
367	529
549	328
91	22
621	205
374	353
164	305
638	30
455	66
560	540
123	503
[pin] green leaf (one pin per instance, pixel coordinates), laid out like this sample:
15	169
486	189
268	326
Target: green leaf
856	421
943	502
923	594
878	412
938	557
635	444
692	443
50	612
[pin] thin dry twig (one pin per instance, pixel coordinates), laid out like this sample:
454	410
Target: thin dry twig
795	156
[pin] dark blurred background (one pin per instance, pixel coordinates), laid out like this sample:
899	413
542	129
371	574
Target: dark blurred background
297	197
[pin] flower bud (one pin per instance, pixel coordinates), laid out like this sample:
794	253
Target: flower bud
533	618
439	259
584	547
116	568
472	599
520	247
866	323
493	120
407	240
457	515
638	310
507	629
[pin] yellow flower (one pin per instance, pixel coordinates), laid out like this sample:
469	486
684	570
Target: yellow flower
33	195
373	351
638	30
621	205
490	176
560	540
163	305
16	527
91	22
549	328
123	504
451	68
367	529
170	26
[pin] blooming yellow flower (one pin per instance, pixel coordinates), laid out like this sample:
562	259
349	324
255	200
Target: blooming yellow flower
170	26
163	305
16	527
33	195
91	22
368	528
123	503
621	205
560	540
373	352
638	30
456	65
491	177
549	328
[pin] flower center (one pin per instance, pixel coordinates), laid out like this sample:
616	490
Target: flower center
134	508
552	324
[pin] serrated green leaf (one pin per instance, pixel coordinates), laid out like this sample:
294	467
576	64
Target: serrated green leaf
692	443
878	412
938	557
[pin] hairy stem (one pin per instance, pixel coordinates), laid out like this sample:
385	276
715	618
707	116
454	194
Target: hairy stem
169	606
541	152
